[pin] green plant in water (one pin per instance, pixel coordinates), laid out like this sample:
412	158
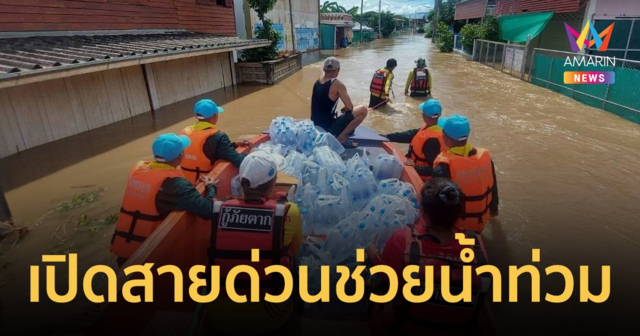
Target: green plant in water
79	201
265	32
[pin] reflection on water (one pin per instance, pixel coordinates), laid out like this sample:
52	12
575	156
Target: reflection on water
568	173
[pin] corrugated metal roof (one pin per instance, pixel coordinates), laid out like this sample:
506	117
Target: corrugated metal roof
20	55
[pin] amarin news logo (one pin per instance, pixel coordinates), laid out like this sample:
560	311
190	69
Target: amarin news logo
577	45
578	42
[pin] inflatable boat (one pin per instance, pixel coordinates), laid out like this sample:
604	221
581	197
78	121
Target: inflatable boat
182	240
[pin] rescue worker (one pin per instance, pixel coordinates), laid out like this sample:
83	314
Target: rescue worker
153	191
472	169
208	143
419	80
426	142
324	101
432	243
381	85
279	239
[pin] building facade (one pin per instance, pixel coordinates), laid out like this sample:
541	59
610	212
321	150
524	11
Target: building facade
297	21
68	66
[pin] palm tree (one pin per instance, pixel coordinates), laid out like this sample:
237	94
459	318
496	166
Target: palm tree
333	7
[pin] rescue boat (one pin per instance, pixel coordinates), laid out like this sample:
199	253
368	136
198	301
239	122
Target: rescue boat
182	240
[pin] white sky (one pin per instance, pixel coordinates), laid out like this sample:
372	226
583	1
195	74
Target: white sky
396	6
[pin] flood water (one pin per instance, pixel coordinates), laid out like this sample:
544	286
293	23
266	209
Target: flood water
567	173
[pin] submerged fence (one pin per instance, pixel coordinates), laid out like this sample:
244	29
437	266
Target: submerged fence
508	58
622	98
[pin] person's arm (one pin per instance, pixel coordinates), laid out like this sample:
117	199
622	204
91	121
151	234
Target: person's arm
293	227
442	170
430	150
495	200
179	194
387	87
344	96
408	85
225	149
402	137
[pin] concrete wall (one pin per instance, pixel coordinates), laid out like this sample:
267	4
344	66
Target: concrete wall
613	8
305	22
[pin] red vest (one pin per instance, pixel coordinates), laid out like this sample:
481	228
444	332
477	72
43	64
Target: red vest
426	318
240	226
379	82
138	216
420	80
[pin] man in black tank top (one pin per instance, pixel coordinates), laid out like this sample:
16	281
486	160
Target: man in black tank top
324	100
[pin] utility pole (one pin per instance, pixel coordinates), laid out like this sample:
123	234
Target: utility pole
380	19
436	20
293	35
361	19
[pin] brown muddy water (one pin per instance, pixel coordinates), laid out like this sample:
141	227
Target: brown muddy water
568	176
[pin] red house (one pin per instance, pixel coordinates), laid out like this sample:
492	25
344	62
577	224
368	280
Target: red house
68	66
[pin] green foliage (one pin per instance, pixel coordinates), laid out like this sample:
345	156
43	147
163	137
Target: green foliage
487	30
429	33
470	33
420	30
491	30
445	38
264	32
333	7
262	7
388	24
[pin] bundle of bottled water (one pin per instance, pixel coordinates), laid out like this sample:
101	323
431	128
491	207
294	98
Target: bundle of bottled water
345	205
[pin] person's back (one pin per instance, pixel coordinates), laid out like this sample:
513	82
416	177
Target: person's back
419	80
323	108
208	143
271	225
153	191
381	85
472	169
434	244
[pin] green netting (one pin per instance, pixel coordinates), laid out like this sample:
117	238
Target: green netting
622	98
516	28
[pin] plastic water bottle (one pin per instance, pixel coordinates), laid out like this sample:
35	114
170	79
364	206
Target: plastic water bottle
366	229
327	139
387	166
236	188
390	186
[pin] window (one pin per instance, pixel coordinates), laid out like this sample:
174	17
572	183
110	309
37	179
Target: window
625	39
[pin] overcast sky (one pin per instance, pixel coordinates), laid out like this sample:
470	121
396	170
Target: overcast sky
397	6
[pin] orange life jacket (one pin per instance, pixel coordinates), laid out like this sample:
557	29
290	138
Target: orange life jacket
420	81
474	175
194	162
379	82
417	144
139	216
437	315
238	226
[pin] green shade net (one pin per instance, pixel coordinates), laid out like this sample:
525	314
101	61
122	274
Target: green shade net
515	28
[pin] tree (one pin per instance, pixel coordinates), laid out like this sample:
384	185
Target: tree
445	38
333	7
265	32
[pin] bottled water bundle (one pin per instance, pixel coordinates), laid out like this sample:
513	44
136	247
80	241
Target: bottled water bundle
386	167
344	205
